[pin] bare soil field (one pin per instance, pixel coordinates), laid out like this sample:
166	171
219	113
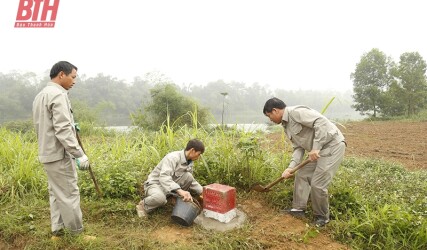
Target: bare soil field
393	141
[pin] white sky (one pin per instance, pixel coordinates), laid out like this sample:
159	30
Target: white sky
304	44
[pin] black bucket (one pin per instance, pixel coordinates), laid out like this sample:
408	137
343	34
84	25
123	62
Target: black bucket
185	212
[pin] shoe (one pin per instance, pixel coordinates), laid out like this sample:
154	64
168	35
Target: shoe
295	213
140	210
56	235
321	222
59	232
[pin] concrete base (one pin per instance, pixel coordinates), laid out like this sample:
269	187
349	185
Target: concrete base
212	224
225	218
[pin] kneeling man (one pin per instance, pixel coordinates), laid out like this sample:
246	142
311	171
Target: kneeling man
174	174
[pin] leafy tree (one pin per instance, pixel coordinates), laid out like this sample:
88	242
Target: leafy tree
412	82
393	105
167	101
370	80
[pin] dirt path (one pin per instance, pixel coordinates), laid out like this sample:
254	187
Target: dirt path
280	231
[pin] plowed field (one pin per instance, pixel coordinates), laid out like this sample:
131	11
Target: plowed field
393	141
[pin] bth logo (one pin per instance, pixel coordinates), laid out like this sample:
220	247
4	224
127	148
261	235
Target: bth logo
34	13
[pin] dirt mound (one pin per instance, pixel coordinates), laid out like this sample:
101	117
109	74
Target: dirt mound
276	230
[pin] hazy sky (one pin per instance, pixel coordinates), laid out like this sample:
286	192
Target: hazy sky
309	44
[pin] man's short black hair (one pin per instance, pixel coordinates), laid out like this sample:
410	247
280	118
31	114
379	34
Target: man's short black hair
196	144
64	66
273	103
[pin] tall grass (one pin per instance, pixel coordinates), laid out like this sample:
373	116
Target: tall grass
20	171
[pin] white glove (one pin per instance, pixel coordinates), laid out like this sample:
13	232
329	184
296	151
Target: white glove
82	162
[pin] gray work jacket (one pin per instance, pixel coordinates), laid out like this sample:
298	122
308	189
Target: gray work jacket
54	124
170	169
308	130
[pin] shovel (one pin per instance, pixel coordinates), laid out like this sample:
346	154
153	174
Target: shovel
259	188
92	175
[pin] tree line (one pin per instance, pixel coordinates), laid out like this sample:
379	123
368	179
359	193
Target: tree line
146	101
384	88
381	88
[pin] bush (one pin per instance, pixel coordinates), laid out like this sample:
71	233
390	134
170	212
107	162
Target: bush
23	126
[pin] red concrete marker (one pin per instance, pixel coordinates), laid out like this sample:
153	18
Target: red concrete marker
219	202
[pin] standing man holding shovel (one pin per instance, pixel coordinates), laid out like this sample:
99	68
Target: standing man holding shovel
59	150
309	131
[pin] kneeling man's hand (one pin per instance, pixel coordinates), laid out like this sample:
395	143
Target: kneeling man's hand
186	196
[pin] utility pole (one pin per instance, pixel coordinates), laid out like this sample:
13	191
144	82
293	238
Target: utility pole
223	102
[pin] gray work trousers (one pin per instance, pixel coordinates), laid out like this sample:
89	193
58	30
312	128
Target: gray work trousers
314	178
156	195
64	195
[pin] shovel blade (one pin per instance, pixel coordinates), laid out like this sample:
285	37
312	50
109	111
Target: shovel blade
259	188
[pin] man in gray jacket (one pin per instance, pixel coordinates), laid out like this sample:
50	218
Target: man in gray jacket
309	131
174	174
58	148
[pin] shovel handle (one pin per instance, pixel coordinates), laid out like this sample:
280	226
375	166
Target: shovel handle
92	175
302	164
293	170
274	183
95	182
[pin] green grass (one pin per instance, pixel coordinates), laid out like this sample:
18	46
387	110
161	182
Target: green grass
114	223
421	116
385	208
374	205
